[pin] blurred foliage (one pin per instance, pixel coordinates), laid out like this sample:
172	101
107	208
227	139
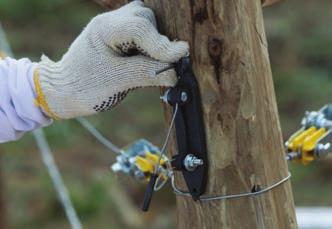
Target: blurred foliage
300	45
45	26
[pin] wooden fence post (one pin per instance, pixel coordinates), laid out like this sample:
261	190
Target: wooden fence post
231	62
230	59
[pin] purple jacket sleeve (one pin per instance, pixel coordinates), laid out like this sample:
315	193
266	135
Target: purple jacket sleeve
18	113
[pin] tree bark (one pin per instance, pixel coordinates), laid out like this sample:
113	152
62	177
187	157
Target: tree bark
231	62
113	4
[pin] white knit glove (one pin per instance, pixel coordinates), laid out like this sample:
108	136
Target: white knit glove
99	68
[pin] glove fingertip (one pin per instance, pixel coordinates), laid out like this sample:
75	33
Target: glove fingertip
45	58
180	49
167	78
173	51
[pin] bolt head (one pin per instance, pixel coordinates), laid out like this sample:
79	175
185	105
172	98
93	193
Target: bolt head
184	96
191	162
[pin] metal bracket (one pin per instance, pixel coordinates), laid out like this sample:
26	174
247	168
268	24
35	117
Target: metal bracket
192	158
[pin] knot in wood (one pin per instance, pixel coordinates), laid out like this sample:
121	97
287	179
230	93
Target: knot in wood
215	47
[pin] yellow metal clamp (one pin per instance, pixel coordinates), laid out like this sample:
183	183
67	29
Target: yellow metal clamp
148	163
140	160
306	144
295	142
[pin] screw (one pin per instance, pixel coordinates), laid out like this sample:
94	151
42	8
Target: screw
191	162
184	96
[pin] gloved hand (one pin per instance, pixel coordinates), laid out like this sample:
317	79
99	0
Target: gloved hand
97	73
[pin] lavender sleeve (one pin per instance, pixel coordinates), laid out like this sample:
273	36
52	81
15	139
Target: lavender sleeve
18	113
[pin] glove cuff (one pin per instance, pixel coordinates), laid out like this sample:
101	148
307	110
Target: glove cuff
40	99
55	89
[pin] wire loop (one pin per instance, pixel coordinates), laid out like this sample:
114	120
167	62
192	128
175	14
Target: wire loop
231	196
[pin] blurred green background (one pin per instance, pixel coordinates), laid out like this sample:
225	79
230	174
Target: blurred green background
300	44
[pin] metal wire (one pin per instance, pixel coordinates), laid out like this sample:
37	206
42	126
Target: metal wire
161	180
231	196
293	155
47	157
4	44
162	152
103	140
159	185
56	178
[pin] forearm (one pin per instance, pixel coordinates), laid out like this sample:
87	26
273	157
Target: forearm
18	112
93	76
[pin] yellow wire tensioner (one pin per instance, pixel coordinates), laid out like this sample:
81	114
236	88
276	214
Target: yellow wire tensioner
295	142
148	163
140	160
309	146
304	143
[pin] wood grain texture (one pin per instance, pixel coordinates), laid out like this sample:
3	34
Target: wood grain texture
114	4
230	59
